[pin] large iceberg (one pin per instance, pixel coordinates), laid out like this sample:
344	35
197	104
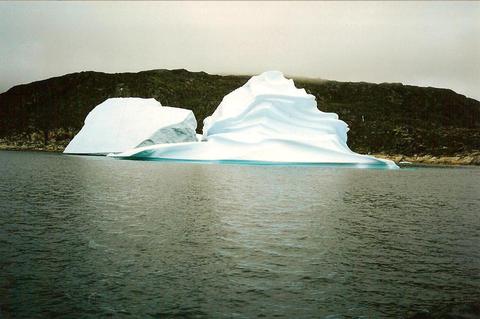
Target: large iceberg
120	124
268	120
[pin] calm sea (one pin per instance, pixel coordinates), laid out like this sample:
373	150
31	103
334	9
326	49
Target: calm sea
88	237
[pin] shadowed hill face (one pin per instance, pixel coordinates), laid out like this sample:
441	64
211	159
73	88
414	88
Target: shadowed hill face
390	118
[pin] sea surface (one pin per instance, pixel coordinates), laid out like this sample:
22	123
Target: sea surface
90	237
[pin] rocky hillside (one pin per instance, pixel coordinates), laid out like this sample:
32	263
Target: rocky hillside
387	118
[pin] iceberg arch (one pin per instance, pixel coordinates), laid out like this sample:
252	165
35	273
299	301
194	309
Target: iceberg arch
267	120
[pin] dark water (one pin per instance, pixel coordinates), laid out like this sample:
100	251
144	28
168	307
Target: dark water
88	237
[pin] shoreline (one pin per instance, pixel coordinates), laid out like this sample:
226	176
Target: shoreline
472	159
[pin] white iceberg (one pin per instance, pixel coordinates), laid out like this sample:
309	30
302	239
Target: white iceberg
120	124
268	120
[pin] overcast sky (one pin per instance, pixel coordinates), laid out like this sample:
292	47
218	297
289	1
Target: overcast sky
421	43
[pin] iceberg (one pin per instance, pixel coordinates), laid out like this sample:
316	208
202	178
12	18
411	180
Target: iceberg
120	124
267	120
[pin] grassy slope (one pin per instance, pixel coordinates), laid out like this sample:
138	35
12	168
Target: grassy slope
384	118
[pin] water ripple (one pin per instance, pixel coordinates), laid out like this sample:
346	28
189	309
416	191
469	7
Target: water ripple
92	237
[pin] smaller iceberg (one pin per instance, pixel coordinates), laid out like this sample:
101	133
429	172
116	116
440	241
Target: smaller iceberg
267	120
120	124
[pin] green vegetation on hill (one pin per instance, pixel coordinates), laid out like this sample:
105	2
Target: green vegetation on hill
383	118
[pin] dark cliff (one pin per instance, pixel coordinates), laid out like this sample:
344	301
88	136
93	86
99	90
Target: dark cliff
383	118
